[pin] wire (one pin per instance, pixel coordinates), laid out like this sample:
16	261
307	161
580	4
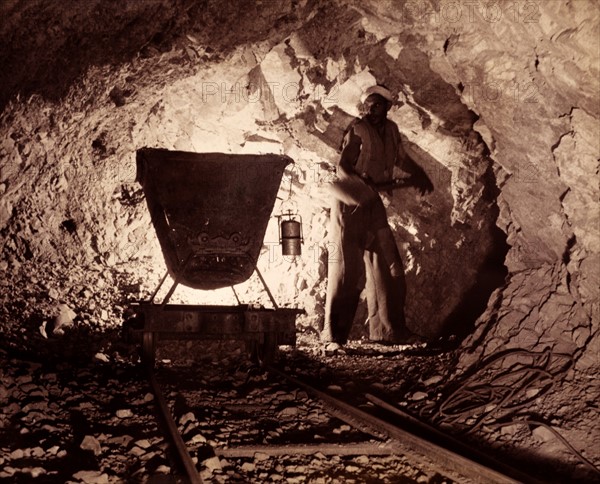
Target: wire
486	395
557	434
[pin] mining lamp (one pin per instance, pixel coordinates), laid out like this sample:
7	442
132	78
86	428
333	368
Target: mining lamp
290	233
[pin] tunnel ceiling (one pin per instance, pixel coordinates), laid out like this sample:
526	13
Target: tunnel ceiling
499	106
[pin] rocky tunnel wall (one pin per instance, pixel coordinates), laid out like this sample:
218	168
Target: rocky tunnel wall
498	104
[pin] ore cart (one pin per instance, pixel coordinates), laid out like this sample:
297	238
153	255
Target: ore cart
210	212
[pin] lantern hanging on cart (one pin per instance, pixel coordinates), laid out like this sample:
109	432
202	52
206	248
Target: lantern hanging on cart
291	237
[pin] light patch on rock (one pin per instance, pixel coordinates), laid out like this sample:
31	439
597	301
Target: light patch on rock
433	380
91	477
91	443
64	319
188	417
393	47
212	463
418	396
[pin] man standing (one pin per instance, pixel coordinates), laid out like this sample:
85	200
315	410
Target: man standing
364	242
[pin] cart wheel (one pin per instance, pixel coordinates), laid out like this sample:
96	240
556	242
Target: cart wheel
148	348
263	354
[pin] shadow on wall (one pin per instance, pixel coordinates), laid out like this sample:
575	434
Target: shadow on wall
491	274
451	269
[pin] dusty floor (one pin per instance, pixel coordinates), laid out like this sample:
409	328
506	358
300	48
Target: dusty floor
55	380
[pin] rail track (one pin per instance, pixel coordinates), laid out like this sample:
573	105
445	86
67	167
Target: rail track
251	425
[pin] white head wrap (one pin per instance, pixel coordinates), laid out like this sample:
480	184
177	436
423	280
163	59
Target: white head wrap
382	91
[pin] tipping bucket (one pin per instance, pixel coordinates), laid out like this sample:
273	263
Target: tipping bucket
210	211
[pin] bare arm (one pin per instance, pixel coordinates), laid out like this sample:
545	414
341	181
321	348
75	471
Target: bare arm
350	153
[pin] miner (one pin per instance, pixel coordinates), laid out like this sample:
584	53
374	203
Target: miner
364	250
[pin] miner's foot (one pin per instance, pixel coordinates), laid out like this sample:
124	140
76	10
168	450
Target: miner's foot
327	338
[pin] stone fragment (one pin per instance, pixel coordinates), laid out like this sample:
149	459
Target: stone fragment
285	397
90	442
289	412
37	452
8	471
418	396
147	456
163	469
345	428
53	450
260	456
318	417
143	443
188	417
28	387
64	319
17	454
91	477
124	413
543	434
85	405
197	438
22	379
434	380
510	429
212	463
34	471
35	406
135	450
248	467
7	382
334	388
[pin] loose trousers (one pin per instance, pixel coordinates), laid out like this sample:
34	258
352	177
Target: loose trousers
363	254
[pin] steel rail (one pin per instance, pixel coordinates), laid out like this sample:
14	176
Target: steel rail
441	458
174	435
455	443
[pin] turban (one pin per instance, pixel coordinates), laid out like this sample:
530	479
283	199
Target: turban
382	91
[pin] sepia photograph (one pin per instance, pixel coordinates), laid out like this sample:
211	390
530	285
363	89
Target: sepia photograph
299	241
